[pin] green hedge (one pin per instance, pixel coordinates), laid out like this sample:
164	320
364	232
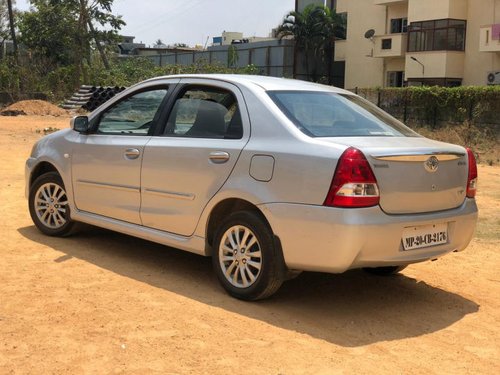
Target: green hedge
433	106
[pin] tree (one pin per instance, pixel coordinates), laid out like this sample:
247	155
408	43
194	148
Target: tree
4	21
335	28
10	11
65	31
100	12
302	27
314	31
158	43
50	32
232	56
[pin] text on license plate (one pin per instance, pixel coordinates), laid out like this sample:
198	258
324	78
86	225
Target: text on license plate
425	236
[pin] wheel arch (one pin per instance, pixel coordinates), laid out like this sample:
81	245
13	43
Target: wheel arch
224	208
42	168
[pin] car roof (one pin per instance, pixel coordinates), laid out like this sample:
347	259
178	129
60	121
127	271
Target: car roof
264	82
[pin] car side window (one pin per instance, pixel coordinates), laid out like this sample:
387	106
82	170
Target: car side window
205	112
133	115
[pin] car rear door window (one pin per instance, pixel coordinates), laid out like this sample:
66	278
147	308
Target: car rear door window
327	114
205	112
133	115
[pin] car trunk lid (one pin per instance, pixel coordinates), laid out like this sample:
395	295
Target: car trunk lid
414	174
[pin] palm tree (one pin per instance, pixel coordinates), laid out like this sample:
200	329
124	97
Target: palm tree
335	28
314	31
304	29
158	43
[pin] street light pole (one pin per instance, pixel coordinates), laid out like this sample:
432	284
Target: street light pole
423	66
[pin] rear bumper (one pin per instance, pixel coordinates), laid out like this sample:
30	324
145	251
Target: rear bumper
326	239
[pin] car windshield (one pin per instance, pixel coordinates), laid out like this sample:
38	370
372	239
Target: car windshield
327	114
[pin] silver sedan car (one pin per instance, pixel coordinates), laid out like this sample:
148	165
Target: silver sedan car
267	176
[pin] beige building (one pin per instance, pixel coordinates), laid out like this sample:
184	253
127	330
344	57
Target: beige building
414	42
232	37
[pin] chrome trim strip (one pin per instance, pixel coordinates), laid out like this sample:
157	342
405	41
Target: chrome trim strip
441	156
109	186
170	194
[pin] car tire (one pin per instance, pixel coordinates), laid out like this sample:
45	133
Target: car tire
384	271
246	258
48	205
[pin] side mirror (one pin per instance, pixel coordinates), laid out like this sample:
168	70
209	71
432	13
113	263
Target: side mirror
80	124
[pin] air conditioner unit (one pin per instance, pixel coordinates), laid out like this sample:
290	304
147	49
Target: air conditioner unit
493	78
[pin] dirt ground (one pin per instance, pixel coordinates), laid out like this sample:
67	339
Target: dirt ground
101	302
34	108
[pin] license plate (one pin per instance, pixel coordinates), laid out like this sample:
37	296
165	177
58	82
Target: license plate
425	236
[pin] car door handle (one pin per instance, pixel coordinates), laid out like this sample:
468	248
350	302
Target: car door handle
218	157
132	153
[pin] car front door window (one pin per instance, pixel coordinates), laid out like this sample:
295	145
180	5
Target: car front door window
133	115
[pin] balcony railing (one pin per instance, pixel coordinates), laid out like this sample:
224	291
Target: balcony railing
489	38
389	45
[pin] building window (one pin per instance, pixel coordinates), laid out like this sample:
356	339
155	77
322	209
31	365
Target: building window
399	25
437	35
341	30
386	43
395	79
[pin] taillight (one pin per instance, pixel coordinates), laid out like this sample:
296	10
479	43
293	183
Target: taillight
472	177
353	184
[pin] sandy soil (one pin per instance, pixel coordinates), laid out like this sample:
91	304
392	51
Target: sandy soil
101	302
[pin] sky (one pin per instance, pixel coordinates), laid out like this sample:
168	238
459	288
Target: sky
192	21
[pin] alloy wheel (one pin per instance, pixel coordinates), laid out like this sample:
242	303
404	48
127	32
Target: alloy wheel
240	256
51	205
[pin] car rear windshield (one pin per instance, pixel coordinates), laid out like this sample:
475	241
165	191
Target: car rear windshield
327	114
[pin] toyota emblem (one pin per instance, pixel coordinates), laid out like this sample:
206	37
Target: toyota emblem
431	164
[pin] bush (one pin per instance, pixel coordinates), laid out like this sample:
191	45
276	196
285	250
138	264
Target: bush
434	105
60	82
466	115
